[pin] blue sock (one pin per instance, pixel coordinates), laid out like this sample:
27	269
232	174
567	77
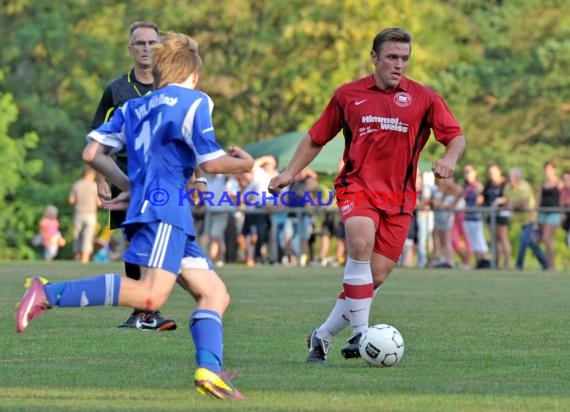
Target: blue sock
207	333
100	290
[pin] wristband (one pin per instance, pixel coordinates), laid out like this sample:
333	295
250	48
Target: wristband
201	180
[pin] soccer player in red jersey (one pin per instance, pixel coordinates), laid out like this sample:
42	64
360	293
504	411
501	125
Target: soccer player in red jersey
386	119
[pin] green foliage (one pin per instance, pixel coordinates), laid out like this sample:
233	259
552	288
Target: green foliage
271	68
511	100
18	170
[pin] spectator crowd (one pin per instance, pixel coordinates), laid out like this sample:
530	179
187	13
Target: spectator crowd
466	224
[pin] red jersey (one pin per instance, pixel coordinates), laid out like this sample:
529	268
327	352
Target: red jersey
384	135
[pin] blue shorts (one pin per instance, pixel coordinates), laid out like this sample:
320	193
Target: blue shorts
549	218
161	245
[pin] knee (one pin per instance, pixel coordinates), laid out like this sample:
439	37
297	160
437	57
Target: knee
217	299
360	248
154	301
220	298
225	300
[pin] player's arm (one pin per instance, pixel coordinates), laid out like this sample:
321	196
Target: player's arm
102	114
119	202
103	190
235	161
199	182
445	167
304	154
98	156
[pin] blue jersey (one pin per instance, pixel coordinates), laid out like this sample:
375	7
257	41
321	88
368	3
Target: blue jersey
167	134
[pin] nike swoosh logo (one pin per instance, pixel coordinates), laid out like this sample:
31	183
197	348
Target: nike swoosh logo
25	320
359	102
140	324
354	311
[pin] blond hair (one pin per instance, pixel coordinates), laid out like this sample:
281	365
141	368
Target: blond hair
175	58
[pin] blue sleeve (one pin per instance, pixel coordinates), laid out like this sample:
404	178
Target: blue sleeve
112	132
202	137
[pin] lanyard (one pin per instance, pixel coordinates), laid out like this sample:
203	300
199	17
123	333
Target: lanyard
134	85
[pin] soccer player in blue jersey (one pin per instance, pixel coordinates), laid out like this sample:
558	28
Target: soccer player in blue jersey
167	134
136	83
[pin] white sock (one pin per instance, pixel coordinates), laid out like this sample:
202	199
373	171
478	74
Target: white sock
338	318
359	291
336	321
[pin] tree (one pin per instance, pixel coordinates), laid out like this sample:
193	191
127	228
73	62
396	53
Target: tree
17	218
512	97
272	66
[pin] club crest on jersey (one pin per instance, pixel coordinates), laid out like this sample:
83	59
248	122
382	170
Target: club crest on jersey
402	99
346	207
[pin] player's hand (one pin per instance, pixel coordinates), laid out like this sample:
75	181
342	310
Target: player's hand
443	168
199	187
103	190
121	202
279	182
235	151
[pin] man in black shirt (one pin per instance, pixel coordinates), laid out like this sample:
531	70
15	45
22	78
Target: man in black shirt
137	82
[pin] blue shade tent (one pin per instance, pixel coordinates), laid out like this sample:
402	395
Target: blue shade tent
283	147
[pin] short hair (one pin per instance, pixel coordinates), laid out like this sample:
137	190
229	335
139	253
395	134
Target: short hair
396	34
550	163
469	167
51	211
143	24
175	58
516	171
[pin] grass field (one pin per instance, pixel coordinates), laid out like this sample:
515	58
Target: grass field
475	341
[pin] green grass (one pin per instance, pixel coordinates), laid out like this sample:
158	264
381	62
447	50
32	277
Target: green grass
475	341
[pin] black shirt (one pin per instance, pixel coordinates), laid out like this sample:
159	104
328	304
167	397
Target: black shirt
115	95
549	196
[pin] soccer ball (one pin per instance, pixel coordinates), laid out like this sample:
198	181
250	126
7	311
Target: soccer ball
381	345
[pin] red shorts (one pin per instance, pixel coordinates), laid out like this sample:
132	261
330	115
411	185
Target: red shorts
391	227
